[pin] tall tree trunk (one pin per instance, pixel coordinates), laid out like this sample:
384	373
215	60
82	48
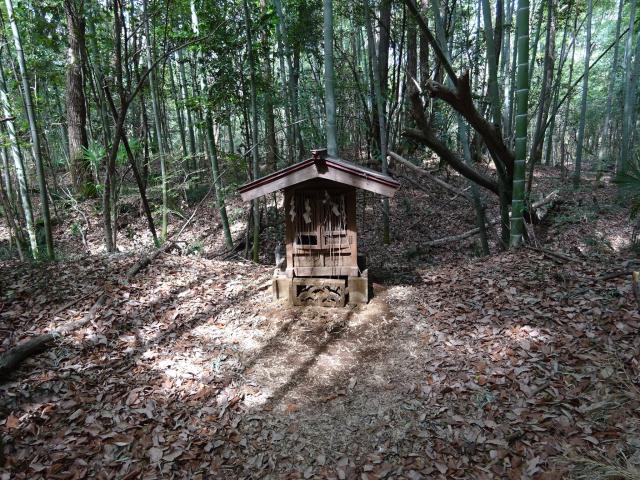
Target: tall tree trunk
18	163
110	226
505	66
382	52
629	94
492	60
411	75
76	111
295	111
185	98
381	116
633	87
157	122
33	128
522	100
536	40
509	123
211	149
567	108
286	84
269	117
7	206
556	95
136	176
545	94
424	56
254	129
329	90
212	152
230	133
178	107
583	103
604	152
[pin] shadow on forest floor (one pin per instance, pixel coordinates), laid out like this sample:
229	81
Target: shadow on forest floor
502	367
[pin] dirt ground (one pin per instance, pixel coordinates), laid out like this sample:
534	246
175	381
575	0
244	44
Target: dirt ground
521	365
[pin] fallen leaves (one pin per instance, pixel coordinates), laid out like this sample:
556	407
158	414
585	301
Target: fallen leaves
494	368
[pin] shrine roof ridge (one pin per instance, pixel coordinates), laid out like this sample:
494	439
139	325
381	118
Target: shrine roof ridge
321	166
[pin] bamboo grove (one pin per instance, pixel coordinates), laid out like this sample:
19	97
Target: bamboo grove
172	99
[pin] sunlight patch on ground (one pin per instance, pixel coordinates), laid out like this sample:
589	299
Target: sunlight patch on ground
618	241
185	367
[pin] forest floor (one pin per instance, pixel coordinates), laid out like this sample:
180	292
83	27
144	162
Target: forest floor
521	365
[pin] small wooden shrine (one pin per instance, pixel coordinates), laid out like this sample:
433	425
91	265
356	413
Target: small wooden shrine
322	265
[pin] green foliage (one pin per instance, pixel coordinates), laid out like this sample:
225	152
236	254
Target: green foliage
195	248
94	154
599	243
76	229
629	185
236	214
574	214
89	190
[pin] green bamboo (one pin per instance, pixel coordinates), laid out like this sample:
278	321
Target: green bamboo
33	129
329	90
583	103
522	99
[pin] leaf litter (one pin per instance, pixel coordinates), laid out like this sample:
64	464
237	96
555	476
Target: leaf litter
509	367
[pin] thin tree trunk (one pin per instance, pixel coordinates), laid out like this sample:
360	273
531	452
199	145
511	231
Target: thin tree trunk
381	117
492	60
629	94
633	87
536	40
583	103
185	97
505	66
545	94
556	94
137	177
9	211
18	163
254	130
522	99
178	107
33	127
411	75
269	117
286	84
424	56
211	149
509	124
567	107
329	90
217	181
230	134
604	152
157	124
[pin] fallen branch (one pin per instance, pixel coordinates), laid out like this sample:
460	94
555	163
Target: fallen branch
424	173
612	275
535	215
14	357
147	259
475	231
543	201
553	254
462	236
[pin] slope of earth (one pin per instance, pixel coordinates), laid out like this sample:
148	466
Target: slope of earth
522	365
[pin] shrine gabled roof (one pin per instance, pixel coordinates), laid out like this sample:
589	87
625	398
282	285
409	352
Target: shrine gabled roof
325	167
